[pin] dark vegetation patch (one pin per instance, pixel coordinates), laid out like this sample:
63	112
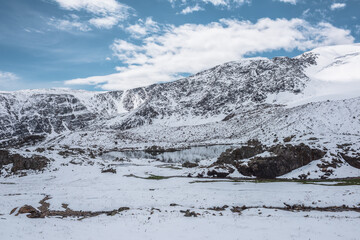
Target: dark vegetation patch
155	177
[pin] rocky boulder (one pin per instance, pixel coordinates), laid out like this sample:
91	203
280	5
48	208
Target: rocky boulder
20	162
286	159
281	159
23	163
230	155
352	161
4	157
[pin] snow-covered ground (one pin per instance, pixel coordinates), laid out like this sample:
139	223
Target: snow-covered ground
138	224
83	187
316	104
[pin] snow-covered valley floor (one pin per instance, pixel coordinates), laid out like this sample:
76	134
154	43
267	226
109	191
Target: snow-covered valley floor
157	205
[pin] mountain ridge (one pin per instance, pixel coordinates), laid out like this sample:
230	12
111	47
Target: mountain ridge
206	97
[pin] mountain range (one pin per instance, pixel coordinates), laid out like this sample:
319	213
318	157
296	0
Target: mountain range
225	102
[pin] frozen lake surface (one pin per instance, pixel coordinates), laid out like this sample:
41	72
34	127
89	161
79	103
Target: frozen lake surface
193	154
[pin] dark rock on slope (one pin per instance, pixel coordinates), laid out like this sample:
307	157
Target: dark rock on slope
20	162
287	158
231	155
352	161
284	159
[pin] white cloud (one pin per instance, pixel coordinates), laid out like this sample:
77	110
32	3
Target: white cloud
143	28
289	1
106	13
227	3
189	9
7	79
68	25
99	7
335	6
104	22
191	48
217	2
357	29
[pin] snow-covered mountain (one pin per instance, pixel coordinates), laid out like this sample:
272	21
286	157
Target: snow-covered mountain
228	101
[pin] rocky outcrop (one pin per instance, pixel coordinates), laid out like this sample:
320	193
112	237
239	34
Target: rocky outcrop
212	92
281	159
4	157
352	161
22	141
287	158
23	163
189	165
20	162
230	155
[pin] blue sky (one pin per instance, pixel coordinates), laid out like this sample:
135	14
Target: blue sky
121	44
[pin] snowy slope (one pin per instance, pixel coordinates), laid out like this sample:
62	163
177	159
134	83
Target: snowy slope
256	92
335	76
52	111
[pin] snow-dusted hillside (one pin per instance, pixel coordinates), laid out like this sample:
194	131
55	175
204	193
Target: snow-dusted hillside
314	94
52	111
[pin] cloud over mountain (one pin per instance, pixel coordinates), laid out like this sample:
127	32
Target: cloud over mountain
190	48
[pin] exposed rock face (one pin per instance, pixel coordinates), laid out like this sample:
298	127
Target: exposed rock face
353	161
219	174
19	162
213	92
4	157
284	159
287	158
42	113
189	165
21	141
230	155
22	163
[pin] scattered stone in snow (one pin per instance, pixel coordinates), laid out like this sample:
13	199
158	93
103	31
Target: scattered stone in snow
223	208
189	213
33	213
219	173
288	139
189	165
109	170
44	211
